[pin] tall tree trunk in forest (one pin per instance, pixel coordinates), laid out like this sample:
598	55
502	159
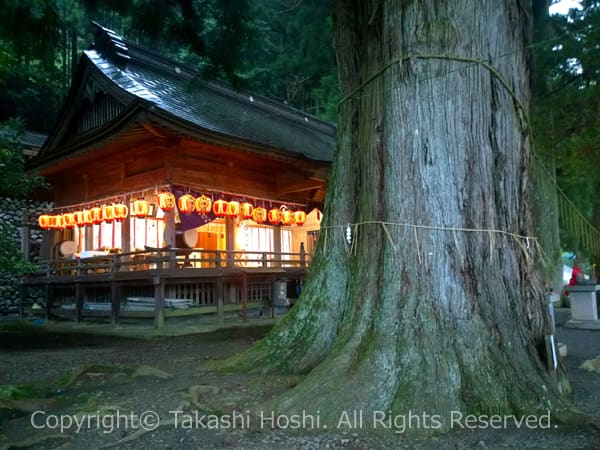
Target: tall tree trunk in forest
435	303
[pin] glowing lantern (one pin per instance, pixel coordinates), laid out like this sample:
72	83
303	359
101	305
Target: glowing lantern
166	201
45	221
141	208
96	212
287	217
233	208
120	211
203	204
220	208
186	203
299	217
78	218
59	222
259	215
69	220
246	210
87	217
108	213
274	216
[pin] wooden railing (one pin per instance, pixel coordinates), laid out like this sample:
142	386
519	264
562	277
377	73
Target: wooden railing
170	259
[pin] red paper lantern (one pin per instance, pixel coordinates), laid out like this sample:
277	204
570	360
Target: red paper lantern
203	204
87	217
287	217
166	201
69	220
274	216
45	221
96	213
259	215
59	222
220	208
78	218
233	208
299	218
121	210
108	213
246	210
186	204
141	208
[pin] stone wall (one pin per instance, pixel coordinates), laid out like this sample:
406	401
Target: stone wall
11	216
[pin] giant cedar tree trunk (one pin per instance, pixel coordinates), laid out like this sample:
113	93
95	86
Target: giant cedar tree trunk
410	318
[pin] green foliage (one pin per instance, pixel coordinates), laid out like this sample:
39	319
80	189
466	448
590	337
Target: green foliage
567	104
14	182
281	49
291	56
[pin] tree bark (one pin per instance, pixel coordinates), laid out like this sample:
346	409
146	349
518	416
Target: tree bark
436	305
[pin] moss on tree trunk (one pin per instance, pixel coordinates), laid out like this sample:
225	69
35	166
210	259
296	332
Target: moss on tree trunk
417	313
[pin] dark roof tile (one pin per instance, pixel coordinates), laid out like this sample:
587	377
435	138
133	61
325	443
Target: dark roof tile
215	106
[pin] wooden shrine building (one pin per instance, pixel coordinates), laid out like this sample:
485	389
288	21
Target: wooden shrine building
174	196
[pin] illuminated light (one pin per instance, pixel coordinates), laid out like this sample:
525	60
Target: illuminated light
69	220
186	204
220	208
45	221
259	215
141	208
299	217
166	201
121	210
108	213
233	208
203	204
274	216
87	217
59	222
78	218
287	217
96	213
246	210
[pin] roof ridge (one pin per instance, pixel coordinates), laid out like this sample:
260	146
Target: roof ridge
123	52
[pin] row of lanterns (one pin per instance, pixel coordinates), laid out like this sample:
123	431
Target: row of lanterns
115	212
187	204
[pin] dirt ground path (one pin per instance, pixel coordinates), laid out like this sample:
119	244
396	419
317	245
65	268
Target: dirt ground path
111	392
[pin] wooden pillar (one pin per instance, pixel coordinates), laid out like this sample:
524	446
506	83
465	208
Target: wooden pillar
159	302
169	235
22	293
220	300
25	241
244	297
126	235
49	301
88	237
78	302
115	298
47	244
230	240
277	245
302	255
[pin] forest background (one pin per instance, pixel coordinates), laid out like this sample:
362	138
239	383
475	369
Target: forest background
283	49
